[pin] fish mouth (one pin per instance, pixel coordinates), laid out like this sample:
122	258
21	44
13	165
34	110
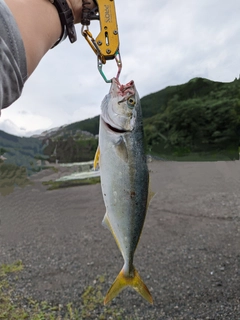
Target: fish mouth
116	130
122	91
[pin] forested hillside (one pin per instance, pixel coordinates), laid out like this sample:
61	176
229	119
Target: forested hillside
20	151
201	117
70	149
198	116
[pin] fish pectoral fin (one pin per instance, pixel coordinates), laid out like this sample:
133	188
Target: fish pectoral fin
121	149
96	158
123	281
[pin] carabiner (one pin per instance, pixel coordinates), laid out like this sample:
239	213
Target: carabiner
119	64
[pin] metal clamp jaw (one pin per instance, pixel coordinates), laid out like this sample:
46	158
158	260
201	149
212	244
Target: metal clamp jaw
106	44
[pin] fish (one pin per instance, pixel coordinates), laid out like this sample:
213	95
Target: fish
124	179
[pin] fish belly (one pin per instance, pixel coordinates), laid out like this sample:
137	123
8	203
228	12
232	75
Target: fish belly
124	181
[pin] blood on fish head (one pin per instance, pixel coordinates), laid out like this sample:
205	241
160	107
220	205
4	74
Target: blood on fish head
121	90
119	106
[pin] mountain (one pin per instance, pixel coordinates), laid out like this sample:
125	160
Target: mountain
20	151
64	144
200	116
66	131
89	125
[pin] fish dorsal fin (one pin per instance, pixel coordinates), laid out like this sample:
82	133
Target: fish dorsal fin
96	158
121	149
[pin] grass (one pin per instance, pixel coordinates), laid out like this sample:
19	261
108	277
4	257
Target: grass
8	310
12	176
54	185
19	308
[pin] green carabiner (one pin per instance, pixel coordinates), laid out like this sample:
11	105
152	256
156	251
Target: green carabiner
99	62
119	64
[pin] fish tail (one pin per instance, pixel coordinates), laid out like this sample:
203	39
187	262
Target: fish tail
123	281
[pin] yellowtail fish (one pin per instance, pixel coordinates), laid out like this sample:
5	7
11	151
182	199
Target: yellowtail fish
124	179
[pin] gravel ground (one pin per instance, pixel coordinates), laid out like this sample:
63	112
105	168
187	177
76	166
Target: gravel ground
188	255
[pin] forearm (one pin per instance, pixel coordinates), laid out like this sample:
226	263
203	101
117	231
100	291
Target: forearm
28	29
39	26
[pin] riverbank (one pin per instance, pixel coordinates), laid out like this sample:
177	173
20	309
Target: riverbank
188	254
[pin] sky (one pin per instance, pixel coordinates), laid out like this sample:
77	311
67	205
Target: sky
162	43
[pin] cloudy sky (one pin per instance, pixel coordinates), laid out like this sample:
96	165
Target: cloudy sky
162	43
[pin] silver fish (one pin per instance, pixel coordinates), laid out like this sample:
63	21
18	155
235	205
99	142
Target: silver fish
124	179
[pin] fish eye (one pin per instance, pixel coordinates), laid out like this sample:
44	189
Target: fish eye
131	102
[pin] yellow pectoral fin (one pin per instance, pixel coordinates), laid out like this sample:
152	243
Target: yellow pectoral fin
96	158
123	281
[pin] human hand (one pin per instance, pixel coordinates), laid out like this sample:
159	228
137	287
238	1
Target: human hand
76	6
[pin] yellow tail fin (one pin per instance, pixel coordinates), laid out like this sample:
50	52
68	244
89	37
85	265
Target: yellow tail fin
123	281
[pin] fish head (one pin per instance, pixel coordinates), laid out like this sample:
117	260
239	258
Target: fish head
119	107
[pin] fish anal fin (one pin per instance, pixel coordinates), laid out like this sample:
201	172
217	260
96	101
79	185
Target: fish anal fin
123	281
121	149
96	158
151	194
106	223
